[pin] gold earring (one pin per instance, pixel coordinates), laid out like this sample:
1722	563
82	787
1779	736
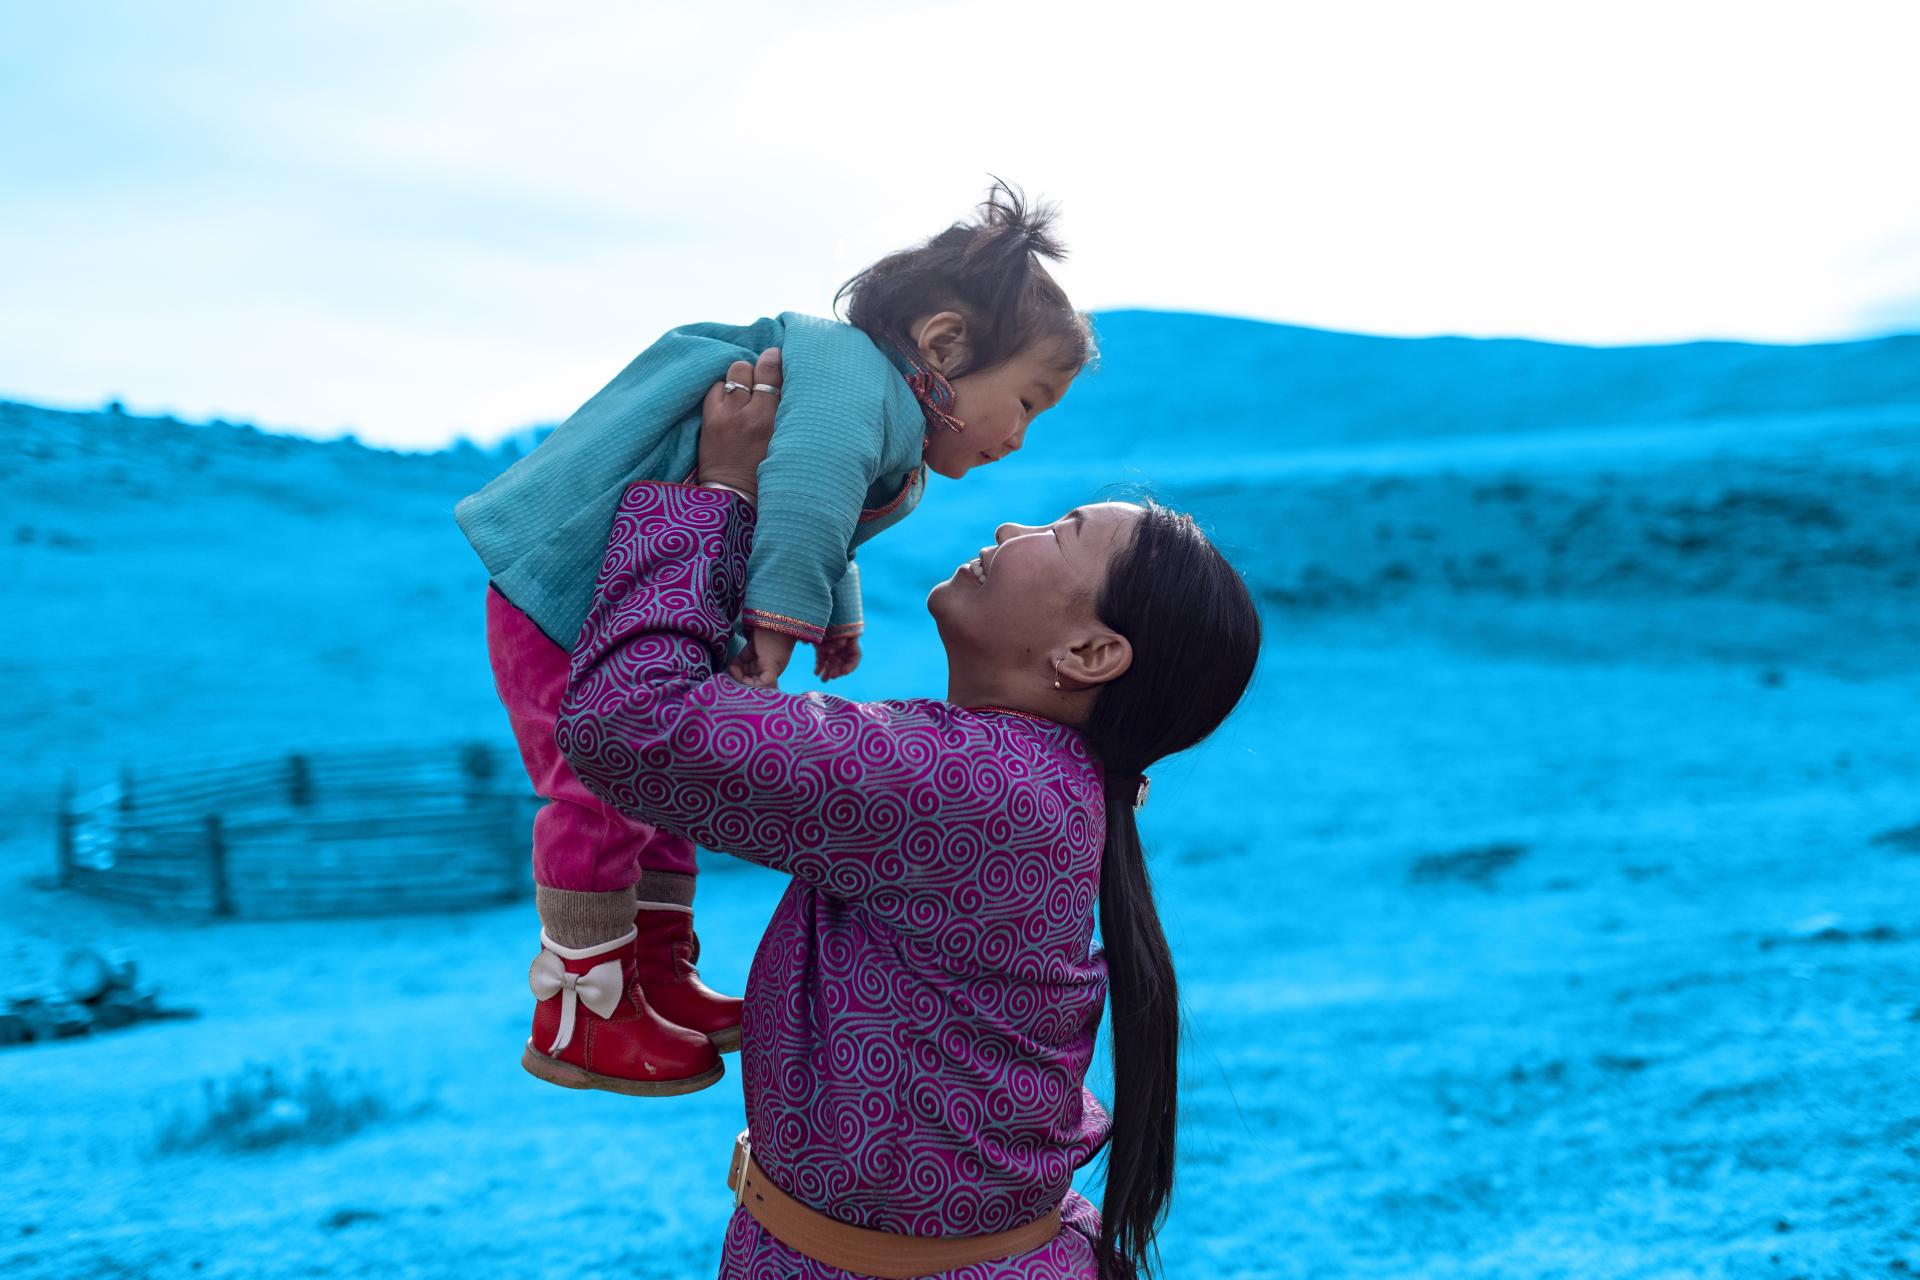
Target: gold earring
1056	673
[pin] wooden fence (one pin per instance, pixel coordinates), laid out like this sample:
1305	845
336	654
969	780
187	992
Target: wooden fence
337	832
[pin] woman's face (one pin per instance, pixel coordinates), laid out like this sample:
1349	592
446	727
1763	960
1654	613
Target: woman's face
1022	598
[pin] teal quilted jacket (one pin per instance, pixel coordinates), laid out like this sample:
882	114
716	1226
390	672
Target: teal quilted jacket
845	463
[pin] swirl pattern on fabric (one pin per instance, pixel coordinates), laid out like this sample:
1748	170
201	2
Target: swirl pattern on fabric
921	1011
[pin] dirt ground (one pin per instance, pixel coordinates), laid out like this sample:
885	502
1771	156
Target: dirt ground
1558	916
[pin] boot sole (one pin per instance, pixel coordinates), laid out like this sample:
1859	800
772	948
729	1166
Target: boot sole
568	1076
727	1041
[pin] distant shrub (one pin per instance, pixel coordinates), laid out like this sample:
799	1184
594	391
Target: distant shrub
1477	865
261	1108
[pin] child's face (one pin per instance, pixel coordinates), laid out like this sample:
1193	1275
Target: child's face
997	405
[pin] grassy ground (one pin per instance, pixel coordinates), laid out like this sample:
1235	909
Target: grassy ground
1569	933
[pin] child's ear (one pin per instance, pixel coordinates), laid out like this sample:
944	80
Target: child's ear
943	341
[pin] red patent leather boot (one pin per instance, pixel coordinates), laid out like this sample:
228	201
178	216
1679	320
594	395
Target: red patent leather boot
664	950
593	1027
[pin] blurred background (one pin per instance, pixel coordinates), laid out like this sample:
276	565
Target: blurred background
1551	907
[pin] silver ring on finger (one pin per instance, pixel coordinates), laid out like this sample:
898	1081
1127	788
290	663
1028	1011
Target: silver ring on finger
732	386
767	387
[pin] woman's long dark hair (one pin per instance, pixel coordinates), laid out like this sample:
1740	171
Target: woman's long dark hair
1196	636
988	271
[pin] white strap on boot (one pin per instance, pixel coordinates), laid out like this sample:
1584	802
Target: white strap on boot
599	988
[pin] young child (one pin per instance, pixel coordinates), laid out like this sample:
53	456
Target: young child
952	348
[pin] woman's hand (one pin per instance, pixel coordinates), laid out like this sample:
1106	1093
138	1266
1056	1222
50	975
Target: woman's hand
737	426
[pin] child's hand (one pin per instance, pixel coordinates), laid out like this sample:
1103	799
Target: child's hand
836	657
765	657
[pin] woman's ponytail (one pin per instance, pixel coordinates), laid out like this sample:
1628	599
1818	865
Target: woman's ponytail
1195	637
1145	1032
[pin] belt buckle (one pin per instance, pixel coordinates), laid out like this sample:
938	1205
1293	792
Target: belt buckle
742	1156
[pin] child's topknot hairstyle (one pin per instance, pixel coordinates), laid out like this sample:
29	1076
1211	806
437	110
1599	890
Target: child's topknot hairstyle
989	271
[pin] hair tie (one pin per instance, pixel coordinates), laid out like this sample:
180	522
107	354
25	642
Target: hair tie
1140	792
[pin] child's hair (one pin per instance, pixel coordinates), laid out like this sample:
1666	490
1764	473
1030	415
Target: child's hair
989	271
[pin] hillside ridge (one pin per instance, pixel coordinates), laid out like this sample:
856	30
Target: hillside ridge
1257	385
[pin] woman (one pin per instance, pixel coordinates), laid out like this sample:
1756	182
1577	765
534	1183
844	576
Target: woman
921	1013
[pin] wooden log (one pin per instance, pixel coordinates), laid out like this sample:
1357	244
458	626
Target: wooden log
68	822
392	799
177	903
360	828
87	975
310	906
136	872
423	872
299	781
104	796
217	867
187	894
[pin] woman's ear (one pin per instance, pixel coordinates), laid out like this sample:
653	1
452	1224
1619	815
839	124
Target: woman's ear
1097	659
942	340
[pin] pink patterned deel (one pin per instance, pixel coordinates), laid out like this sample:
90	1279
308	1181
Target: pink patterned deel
921	1012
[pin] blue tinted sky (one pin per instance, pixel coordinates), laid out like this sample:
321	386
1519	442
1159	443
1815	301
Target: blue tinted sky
413	220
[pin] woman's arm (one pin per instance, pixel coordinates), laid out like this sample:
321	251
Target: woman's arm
855	798
890	803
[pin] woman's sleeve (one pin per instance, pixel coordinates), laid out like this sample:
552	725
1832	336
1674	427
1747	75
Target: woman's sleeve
881	802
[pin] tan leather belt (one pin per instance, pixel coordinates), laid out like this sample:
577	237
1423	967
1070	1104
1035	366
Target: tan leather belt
884	1254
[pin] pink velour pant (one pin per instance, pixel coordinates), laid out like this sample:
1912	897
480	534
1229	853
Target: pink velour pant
580	842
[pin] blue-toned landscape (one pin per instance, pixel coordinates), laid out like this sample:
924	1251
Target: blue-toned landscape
1550	908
